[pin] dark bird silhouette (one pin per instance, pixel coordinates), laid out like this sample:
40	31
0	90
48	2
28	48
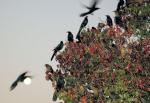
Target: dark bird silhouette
83	24
91	9
49	68
120	4
109	21
58	48
70	36
60	83
20	78
118	21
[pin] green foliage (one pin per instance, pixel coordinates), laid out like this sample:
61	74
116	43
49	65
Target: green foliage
107	66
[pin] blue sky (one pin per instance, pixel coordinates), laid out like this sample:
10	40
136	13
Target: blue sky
29	30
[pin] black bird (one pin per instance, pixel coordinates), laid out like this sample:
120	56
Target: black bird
91	9
83	24
49	68
20	78
58	48
70	36
118	21
60	83
120	4
109	21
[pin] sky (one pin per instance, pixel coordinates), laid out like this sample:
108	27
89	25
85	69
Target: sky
29	31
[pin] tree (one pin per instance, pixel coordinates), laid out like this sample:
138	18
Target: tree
111	64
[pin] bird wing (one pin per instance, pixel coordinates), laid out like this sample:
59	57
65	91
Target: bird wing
59	46
84	22
86	6
94	3
31	77
22	75
84	14
14	84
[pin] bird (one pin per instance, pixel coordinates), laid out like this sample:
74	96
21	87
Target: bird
119	5
60	83
83	24
70	36
118	21
91	9
20	78
49	68
57	48
109	20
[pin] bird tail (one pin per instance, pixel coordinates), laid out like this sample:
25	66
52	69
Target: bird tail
78	34
53	55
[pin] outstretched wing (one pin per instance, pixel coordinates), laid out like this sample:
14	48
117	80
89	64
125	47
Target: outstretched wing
14	84
22	75
84	14
94	3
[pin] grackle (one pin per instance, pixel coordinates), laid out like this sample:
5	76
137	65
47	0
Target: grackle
20	78
118	21
60	83
91	9
109	21
83	24
70	36
58	48
120	4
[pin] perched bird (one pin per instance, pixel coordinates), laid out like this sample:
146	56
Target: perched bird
49	68
91	9
118	21
109	21
119	5
58	48
60	83
70	36
83	24
20	78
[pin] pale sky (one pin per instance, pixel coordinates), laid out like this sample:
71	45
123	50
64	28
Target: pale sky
29	30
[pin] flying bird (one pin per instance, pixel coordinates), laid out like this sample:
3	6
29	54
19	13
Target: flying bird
70	36
20	78
91	9
109	20
120	4
57	48
83	24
